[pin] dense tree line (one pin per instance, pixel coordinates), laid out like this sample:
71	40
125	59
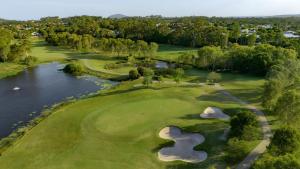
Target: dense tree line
186	31
244	59
117	46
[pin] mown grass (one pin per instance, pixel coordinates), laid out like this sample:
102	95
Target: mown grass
119	129
10	69
47	53
171	52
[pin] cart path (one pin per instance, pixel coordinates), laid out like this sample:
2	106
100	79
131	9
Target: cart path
266	129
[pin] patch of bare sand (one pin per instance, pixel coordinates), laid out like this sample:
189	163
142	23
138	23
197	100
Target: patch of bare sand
183	150
214	113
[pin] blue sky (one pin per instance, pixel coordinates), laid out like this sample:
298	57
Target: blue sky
34	9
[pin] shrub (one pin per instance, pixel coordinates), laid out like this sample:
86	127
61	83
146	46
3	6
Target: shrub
240	122
134	74
141	70
178	75
236	150
111	66
285	140
74	69
30	60
280	162
214	77
148	76
165	72
251	133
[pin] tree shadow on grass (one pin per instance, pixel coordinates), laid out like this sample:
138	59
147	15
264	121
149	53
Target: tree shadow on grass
214	97
191	117
249	95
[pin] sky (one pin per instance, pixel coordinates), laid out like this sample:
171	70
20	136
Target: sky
35	9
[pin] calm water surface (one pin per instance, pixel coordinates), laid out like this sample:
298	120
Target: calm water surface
42	86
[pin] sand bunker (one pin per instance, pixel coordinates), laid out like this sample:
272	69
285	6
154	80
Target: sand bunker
183	149
214	113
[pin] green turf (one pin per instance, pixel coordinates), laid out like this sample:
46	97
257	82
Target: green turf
10	69
119	130
171	52
99	65
47	53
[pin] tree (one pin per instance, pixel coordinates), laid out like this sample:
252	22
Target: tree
288	107
153	48
134	74
278	162
186	58
281	81
5	41
208	57
251	39
30	60
74	69
285	140
240	121
178	74
236	150
214	77
148	75
236	31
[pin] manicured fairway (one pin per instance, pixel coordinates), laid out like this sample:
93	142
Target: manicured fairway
46	53
119	130
171	53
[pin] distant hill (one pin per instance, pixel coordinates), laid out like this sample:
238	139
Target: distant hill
286	16
117	16
2	20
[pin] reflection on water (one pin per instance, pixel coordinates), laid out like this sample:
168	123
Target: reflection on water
42	86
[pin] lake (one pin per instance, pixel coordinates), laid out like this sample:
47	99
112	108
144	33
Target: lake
24	96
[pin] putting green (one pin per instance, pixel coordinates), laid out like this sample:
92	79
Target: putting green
118	130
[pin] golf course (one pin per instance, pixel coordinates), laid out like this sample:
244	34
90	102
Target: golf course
119	127
120	130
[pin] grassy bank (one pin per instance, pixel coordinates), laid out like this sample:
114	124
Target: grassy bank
10	69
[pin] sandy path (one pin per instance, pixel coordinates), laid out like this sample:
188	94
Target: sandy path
183	149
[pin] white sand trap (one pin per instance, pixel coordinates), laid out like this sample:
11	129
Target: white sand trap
183	149
214	113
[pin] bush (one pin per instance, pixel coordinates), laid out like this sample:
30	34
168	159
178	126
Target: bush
148	76
285	140
236	150
178	75
165	72
281	162
242	121
251	133
74	69
111	66
141	70
134	74
30	60
214	77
